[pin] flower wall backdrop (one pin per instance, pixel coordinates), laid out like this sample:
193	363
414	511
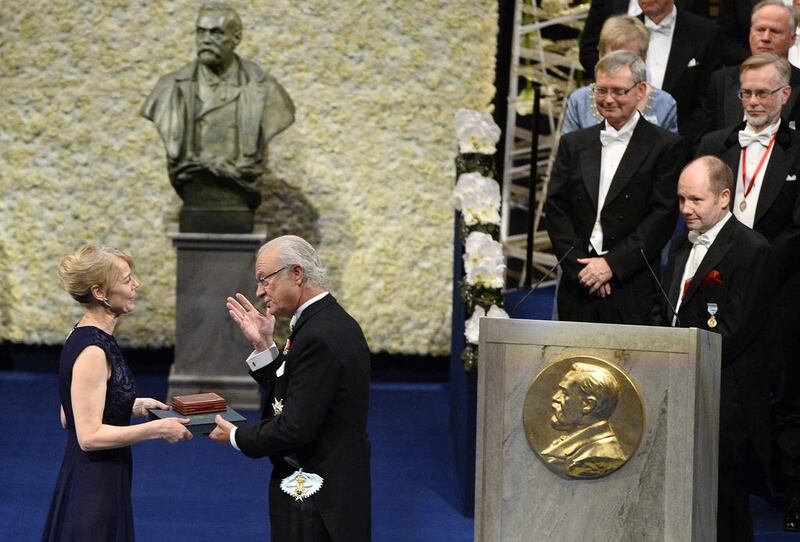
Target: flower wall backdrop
365	172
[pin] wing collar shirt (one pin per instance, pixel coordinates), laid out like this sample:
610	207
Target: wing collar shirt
659	47
700	245
259	360
756	145
614	145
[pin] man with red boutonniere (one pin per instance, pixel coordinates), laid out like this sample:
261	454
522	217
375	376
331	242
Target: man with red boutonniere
723	278
765	155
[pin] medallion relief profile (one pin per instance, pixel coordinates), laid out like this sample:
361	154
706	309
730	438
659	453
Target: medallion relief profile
583	417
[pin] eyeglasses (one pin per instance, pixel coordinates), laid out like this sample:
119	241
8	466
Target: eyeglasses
761	94
266	279
615	92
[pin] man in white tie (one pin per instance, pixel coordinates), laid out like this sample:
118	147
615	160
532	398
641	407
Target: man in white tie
723	278
611	197
314	425
765	154
684	50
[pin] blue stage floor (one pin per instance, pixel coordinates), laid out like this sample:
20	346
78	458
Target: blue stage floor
201	491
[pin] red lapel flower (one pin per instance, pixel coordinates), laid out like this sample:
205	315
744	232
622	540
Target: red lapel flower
713	277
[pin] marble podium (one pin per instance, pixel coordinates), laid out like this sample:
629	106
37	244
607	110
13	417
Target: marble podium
209	348
667	488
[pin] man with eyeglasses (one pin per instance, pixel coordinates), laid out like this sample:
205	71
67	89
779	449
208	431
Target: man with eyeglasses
765	154
314	423
772	30
612	197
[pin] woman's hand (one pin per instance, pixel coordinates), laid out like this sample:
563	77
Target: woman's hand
141	404
173	429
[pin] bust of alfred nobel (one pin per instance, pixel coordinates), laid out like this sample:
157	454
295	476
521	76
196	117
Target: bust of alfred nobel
216	116
585	399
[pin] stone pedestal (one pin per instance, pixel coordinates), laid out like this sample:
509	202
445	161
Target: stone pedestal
209	348
666	490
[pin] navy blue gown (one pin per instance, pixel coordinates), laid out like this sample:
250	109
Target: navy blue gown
92	498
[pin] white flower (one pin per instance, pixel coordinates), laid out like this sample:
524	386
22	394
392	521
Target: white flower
496	312
472	326
483	261
476	131
478	199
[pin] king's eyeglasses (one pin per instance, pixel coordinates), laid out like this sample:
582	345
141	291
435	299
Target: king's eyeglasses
266	279
761	94
615	92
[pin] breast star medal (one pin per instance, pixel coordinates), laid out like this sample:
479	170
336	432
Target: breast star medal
712	311
301	485
277	406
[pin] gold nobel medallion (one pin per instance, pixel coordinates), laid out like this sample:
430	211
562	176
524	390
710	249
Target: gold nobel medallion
583	417
712	322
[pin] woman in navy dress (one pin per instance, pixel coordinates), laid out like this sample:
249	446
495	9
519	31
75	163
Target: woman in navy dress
92	498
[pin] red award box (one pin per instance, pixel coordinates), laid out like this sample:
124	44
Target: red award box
199	403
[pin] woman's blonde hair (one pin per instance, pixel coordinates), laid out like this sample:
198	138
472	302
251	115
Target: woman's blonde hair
90	266
617	31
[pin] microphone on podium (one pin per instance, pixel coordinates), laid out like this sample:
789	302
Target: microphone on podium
661	288
539	282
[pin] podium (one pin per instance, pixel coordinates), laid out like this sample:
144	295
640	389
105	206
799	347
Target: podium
665	490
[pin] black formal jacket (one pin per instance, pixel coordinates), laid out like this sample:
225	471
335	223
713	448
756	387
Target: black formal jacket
325	394
778	208
738	274
600	10
723	108
734	24
640	208
695	54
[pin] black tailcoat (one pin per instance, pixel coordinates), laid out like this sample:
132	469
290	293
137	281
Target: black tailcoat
738	274
323	426
640	212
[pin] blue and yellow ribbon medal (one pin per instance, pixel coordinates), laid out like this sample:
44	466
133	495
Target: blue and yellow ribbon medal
712	311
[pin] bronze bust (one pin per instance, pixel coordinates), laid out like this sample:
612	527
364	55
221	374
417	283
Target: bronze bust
216	116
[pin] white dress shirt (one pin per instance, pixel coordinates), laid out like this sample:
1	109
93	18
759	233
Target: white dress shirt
259	360
610	157
755	151
660	45
700	245
794	52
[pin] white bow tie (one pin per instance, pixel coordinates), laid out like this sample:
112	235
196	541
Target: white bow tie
663	28
607	137
697	238
746	138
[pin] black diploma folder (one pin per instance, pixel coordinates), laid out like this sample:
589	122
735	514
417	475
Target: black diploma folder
200	424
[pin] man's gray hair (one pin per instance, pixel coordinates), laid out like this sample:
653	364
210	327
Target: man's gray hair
760	60
616	60
294	250
599	383
232	18
777	3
